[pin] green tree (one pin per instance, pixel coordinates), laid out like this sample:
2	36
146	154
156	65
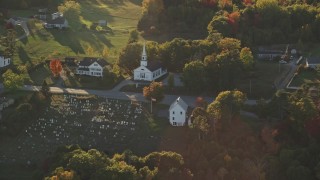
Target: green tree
45	89
194	76
71	10
134	36
171	81
130	56
154	91
12	81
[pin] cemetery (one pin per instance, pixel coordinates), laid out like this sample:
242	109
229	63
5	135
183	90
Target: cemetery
105	124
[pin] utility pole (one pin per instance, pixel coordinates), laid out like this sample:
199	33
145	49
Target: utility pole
250	86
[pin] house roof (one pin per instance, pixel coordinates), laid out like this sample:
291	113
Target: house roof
179	102
154	65
58	20
313	60
87	61
83	69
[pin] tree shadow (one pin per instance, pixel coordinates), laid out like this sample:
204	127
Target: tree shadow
94	10
23	55
67	38
136	2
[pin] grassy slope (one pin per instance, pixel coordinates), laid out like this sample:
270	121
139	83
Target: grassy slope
121	17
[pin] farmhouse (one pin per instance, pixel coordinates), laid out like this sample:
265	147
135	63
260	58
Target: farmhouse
15	21
178	113
57	21
91	66
313	62
4	61
42	13
269	55
148	71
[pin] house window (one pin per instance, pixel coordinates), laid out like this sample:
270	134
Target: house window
181	112
174	123
95	65
173	118
172	112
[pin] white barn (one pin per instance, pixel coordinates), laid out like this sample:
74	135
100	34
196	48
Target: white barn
4	61
178	113
91	67
148	71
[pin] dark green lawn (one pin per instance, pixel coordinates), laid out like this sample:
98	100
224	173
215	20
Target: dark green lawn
305	77
262	80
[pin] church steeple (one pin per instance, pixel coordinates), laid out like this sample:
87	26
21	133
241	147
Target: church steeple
143	61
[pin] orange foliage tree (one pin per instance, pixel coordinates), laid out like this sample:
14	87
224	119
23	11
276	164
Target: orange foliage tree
55	67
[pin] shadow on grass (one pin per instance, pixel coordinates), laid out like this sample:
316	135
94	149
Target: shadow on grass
67	38
93	11
23	55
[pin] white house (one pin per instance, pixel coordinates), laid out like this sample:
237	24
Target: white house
148	71
178	113
4	61
313	62
57	21
91	67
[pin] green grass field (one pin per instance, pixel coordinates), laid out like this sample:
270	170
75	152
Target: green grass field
262	80
122	17
305	77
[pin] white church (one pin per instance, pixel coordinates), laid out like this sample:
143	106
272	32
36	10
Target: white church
148	71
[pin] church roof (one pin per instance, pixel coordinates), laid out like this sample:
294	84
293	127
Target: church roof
179	102
154	65
144	52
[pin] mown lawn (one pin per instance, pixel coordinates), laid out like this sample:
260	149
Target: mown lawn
262	80
122	17
305	77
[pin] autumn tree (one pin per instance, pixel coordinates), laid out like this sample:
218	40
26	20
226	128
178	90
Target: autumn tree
8	42
200	121
226	106
12	81
246	58
152	7
171	81
71	9
154	91
55	67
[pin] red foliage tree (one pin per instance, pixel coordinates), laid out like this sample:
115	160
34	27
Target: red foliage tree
9	25
55	67
233	20
247	2
209	3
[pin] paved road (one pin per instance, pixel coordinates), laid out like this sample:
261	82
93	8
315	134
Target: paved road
168	99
